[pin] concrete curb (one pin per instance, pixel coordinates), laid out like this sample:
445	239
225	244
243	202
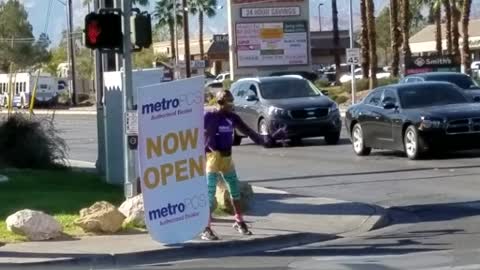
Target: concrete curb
190	250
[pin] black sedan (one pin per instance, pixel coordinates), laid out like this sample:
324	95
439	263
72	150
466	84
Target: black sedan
465	82
267	104
415	118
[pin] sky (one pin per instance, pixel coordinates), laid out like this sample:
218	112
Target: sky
55	22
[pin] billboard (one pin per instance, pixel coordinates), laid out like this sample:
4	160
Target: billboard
272	44
421	64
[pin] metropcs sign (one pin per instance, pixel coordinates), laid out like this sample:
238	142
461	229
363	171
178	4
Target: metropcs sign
172	159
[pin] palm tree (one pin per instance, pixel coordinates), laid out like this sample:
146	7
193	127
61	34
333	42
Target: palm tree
164	12
456	14
406	29
372	43
467	6
448	16
364	39
395	37
336	41
203	7
435	7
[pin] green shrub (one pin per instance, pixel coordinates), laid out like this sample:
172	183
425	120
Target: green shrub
227	83
322	83
341	99
64	98
83	97
364	84
31	143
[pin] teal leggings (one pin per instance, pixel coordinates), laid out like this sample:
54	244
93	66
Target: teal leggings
232	183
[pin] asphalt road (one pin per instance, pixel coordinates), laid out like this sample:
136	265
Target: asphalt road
441	194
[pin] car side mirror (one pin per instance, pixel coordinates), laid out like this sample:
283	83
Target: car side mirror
251	98
325	92
388	105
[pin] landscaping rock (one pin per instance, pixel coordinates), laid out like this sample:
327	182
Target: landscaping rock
3	178
101	217
223	196
133	209
35	225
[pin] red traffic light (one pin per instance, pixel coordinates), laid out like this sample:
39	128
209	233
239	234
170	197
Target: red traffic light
93	32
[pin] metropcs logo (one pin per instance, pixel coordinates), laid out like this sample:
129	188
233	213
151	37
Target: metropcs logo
167	104
170	210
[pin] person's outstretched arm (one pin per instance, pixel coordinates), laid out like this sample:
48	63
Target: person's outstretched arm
253	135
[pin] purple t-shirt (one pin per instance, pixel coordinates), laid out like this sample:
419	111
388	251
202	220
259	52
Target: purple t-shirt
219	128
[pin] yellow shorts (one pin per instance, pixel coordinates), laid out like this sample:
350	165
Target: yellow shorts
216	163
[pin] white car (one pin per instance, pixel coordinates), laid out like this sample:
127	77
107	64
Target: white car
381	74
221	77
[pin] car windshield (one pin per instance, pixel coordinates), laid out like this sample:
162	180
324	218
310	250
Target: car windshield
280	89
463	82
419	96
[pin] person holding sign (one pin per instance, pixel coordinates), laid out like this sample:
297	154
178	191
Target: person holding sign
219	128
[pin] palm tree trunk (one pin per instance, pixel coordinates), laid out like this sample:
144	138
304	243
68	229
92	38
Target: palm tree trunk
364	39
395	37
466	60
336	41
455	31
172	39
448	16
406	29
200	34
372	43
438	31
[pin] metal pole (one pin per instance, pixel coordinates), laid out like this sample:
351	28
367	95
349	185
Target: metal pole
72	51
352	67
320	17
175	67
128	155
186	38
101	163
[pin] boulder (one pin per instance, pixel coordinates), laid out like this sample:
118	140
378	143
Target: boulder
35	225
134	211
101	217
224	200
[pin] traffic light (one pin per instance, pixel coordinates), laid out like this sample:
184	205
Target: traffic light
141	24
103	30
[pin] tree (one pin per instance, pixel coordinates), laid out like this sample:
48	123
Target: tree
395	37
364	39
466	9
406	29
448	17
203	7
436	10
17	43
456	14
384	39
372	43
164	12
336	41
134	2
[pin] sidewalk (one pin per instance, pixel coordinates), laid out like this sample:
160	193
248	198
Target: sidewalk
277	219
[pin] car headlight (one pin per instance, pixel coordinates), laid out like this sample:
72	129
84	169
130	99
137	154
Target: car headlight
333	108
428	123
274	111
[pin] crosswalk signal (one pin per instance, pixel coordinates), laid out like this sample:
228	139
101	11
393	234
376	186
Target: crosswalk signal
103	30
141	24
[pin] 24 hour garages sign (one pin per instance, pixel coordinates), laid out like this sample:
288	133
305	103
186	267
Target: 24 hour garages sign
272	44
172	161
269	12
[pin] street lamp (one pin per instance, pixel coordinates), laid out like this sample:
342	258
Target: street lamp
320	17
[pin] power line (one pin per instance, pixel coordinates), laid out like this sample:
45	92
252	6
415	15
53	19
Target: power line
47	19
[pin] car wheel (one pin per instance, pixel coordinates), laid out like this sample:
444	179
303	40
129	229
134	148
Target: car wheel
359	141
332	138
263	130
237	139
412	143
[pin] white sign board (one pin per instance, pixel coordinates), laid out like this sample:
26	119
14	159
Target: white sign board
353	56
172	159
269	12
132	123
272	44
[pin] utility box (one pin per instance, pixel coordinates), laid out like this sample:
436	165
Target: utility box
113	118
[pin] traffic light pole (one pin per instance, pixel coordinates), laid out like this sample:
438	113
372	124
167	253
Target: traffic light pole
71	51
128	106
